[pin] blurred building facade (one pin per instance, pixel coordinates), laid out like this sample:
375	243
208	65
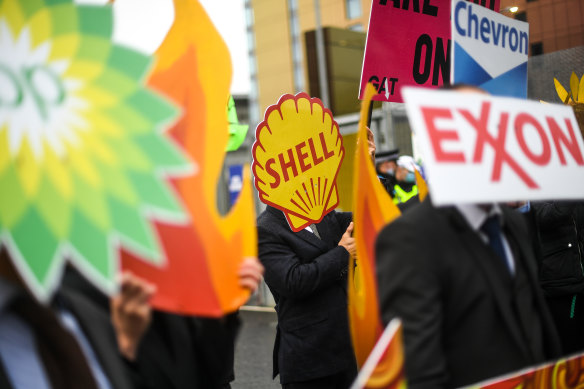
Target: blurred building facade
553	24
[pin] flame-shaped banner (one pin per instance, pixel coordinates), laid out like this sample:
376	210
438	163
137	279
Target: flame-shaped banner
372	209
564	374
200	277
389	347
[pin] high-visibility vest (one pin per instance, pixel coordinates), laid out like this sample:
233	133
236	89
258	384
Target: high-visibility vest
401	196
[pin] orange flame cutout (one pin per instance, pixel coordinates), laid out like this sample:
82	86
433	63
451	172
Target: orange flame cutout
194	70
422	187
372	209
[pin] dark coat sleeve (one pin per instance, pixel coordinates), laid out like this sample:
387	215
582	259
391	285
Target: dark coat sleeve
289	273
410	289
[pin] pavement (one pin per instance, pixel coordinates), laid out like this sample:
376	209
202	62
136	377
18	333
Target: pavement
253	349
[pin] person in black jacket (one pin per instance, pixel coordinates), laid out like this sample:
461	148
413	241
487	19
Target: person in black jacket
560	226
306	272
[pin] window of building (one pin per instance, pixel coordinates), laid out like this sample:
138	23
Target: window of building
356	27
521	16
353	9
536	48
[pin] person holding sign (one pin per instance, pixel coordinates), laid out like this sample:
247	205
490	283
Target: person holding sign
462	278
304	244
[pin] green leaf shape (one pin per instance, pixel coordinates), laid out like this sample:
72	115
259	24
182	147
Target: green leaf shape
155	193
115	80
154	107
118	184
95	20
162	152
55	213
131	157
93	245
12	203
134	231
91	203
64	19
95	49
130	62
30	7
37	244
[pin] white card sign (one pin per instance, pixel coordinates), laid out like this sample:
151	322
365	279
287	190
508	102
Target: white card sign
479	148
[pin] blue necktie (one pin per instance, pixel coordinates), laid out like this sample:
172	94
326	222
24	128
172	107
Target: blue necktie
492	229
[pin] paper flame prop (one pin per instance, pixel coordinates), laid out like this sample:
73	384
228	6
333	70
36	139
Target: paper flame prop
296	159
201	278
389	348
372	209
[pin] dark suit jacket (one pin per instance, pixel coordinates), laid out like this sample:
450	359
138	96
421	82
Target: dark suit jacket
465	318
307	277
177	351
99	332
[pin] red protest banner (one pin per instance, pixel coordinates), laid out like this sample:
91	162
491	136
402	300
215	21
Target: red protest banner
408	43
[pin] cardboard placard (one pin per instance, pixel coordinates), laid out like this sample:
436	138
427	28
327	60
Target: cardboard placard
296	159
408	43
478	148
83	164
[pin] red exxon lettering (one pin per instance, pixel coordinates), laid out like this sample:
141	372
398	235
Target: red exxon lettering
560	139
498	144
437	136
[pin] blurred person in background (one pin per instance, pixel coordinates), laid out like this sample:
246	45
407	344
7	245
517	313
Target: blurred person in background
386	166
560	231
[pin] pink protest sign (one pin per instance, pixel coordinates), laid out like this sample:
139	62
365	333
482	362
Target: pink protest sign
408	43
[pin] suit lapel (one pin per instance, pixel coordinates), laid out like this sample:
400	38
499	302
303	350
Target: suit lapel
302	234
500	283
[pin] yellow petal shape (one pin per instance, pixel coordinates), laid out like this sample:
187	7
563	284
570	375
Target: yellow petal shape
581	90
574	86
562	94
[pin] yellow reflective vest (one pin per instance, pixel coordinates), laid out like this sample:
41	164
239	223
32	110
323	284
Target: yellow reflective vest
401	196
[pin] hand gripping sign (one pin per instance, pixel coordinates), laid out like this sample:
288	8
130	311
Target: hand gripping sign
296	159
478	148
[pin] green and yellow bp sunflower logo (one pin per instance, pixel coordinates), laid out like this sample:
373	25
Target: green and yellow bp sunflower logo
84	162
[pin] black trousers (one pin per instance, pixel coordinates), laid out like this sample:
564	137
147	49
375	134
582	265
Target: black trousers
568	314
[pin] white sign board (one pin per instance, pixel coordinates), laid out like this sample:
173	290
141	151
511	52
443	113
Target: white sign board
490	50
478	148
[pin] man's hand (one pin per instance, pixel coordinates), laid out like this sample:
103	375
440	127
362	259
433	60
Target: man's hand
348	242
131	313
250	273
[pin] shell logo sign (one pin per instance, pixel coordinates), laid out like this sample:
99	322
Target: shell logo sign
296	159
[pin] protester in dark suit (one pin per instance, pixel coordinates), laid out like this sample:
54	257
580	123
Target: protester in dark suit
69	344
470	311
306	272
176	351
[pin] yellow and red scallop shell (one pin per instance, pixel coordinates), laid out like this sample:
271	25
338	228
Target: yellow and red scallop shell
296	159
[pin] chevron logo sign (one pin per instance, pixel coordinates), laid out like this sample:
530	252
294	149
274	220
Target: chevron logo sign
490	50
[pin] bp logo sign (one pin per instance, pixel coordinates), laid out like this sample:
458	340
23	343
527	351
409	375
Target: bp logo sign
84	162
